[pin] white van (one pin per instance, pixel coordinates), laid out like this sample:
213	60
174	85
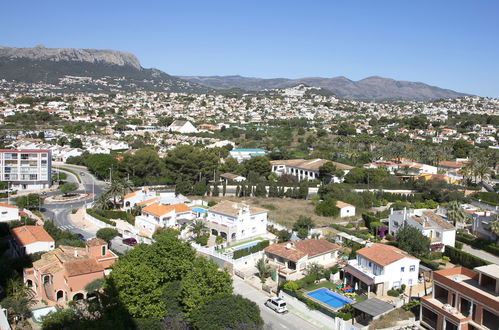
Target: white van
277	304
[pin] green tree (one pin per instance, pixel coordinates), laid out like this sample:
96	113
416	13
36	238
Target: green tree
258	164
198	227
411	240
19	301
216	191
302	233
283	236
144	167
303	222
456	214
76	143
328	171
263	269
225	311
68	188
461	148
107	234
231	165
202	282
327	208
261	190
100	164
29	201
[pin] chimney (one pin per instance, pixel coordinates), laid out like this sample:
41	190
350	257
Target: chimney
391	210
75	253
289	246
405	213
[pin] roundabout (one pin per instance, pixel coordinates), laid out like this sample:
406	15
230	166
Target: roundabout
70	198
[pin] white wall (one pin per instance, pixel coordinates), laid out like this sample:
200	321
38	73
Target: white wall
394	274
348	211
39	247
9	214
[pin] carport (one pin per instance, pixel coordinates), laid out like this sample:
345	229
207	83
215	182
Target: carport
369	310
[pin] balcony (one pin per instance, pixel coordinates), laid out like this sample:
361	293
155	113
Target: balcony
366	272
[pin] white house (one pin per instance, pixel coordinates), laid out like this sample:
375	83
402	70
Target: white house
380	267
182	126
157	215
346	210
236	221
306	169
9	213
31	239
244	154
227	177
146	196
430	224
292	258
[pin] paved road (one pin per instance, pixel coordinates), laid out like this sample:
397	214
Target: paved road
272	319
483	205
481	254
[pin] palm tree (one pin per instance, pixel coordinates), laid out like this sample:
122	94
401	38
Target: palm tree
115	191
19	302
264	269
482	171
198	227
102	202
456	214
466	173
494	226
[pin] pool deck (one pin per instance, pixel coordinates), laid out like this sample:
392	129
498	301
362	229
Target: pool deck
306	294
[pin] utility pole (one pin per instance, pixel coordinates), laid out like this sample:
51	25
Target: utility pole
110	174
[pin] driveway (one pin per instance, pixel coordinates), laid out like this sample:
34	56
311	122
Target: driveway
274	320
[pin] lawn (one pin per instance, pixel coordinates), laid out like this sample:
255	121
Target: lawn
284	211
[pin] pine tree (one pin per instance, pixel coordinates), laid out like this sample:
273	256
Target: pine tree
224	188
215	191
238	190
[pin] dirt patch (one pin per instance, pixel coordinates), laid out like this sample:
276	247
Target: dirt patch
390	319
284	211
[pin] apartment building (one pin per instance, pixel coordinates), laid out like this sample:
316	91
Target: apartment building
428	222
236	221
28	169
462	299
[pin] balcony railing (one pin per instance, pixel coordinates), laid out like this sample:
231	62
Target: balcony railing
367	271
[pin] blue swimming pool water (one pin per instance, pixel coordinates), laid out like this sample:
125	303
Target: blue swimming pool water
245	246
329	298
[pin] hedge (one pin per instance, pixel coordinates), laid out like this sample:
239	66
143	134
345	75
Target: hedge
247	251
99	216
463	258
364	234
491	198
478	243
433	265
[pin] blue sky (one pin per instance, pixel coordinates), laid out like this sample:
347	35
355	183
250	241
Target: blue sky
450	44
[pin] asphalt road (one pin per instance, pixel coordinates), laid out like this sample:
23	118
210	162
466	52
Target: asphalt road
272	319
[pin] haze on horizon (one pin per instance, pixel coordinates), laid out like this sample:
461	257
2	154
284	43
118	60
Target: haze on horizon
449	44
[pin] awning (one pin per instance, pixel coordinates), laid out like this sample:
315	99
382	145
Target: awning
373	307
358	274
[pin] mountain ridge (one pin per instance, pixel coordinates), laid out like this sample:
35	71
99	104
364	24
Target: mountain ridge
372	88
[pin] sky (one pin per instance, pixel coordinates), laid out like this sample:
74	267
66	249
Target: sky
450	44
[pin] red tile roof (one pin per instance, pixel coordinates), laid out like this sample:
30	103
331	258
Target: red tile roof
383	254
25	235
8	205
294	251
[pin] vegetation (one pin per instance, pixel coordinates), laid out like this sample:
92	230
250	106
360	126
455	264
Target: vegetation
462	258
107	234
247	251
411	240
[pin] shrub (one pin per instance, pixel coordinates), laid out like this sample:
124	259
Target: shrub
393	293
459	245
202	240
219	240
430	264
292	286
345	316
411	304
212	203
73	211
436	255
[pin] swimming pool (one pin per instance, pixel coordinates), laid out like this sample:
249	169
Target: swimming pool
245	246
329	298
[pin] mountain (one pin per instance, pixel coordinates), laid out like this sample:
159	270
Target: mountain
88	70
368	89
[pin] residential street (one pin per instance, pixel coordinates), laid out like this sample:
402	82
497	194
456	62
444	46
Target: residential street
481	254
274	320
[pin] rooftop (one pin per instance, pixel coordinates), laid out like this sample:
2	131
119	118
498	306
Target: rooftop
491	270
294	251
373	307
310	164
25	235
232	208
159	210
383	254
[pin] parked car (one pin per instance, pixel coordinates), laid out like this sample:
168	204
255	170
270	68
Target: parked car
129	241
277	304
80	236
82	173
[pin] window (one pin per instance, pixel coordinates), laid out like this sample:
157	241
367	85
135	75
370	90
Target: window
402	269
412	268
438	234
103	250
410	282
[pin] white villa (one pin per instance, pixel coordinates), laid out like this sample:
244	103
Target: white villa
306	169
236	221
146	196
380	267
157	215
432	225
